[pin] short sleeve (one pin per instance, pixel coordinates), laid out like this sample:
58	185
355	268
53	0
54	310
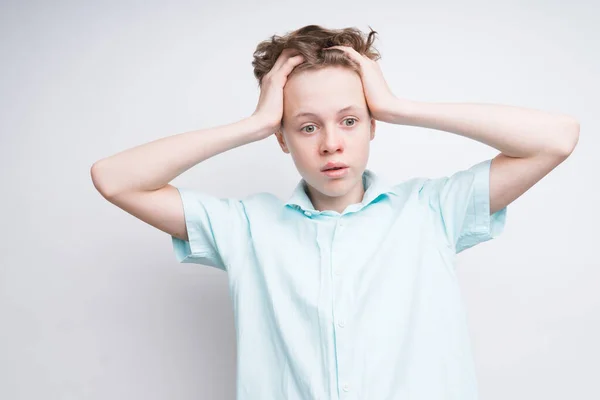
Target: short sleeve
215	227
462	205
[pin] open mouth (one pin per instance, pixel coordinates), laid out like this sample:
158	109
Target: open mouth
336	172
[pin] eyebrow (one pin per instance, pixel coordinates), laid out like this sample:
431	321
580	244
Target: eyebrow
350	107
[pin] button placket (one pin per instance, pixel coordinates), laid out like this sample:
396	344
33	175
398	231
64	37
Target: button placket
341	225
340	322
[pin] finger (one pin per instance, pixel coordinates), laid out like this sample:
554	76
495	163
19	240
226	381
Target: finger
350	52
290	64
285	55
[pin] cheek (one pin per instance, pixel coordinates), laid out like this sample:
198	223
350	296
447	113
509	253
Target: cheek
359	142
304	152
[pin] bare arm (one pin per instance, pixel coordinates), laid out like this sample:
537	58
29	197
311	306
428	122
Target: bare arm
136	180
153	165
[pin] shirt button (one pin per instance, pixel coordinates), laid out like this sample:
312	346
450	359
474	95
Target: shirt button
341	324
346	387
307	213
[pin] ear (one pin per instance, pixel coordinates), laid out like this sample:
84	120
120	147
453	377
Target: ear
373	127
281	140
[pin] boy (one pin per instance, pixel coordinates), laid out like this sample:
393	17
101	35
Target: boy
347	290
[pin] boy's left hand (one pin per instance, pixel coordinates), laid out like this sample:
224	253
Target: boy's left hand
380	99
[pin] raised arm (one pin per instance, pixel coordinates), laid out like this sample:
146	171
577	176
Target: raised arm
137	180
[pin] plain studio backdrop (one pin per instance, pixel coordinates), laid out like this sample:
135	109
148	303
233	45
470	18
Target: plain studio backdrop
93	304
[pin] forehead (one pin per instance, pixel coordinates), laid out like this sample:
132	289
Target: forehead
322	91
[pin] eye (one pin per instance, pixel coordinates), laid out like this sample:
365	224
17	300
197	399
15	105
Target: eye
307	126
352	119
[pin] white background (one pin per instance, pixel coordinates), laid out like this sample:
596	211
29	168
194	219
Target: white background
93	304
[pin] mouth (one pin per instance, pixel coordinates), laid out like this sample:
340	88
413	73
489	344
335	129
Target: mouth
336	172
333	165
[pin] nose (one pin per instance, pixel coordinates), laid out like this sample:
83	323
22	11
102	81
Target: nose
331	141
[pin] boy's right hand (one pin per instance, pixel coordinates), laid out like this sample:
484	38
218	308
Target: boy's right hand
270	104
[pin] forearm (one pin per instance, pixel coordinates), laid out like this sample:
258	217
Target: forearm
515	131
153	165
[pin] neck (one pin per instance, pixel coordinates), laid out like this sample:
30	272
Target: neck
322	202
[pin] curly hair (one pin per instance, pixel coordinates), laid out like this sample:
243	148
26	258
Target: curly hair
310	41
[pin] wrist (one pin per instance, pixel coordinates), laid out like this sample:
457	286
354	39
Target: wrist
402	111
261	127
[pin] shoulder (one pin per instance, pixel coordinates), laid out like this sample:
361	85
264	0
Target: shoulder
262	200
418	187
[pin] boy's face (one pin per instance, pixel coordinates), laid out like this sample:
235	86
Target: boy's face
315	140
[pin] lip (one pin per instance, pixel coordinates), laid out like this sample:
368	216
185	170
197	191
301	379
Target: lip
334	164
336	173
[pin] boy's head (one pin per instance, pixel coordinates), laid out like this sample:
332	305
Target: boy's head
325	83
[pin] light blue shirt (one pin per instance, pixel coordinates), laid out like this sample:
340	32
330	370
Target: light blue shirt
359	305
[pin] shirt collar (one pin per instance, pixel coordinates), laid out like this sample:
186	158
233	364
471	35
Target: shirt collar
373	184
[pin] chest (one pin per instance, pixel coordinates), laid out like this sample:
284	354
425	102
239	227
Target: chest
372	257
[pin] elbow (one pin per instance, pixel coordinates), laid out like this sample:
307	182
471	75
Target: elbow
569	137
572	136
97	180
